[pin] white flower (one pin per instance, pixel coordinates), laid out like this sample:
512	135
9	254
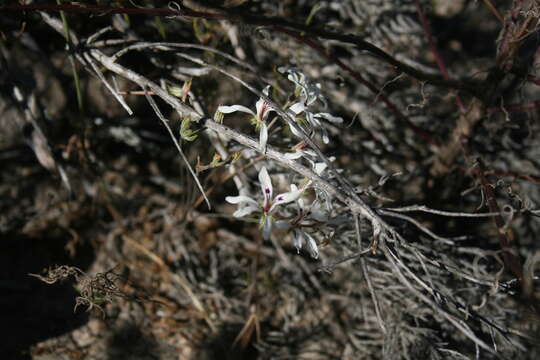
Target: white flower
320	168
268	205
263	109
309	90
313	119
309	93
307	216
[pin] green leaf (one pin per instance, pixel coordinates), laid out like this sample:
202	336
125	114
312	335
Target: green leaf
185	132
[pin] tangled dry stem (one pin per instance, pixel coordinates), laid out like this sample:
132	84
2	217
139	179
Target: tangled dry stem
405	256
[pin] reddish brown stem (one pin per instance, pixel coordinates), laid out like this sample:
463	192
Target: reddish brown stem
511	260
435	51
471	87
90	8
515	107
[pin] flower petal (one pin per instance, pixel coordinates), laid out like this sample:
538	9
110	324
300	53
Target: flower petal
263	108
325	137
298	240
286	198
263	137
266	185
331	118
297	108
240	199
319	168
259	106
313	248
296	132
235	108
293	155
246	210
313	120
267	228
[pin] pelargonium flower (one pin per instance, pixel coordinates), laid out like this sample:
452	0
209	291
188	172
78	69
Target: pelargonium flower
306	217
269	204
313	119
308	94
263	109
309	90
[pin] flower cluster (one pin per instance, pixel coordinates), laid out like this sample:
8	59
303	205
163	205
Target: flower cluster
308	93
268	208
272	210
306	217
262	110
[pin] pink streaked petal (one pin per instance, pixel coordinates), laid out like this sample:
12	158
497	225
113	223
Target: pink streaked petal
235	108
266	185
287	197
263	109
259	105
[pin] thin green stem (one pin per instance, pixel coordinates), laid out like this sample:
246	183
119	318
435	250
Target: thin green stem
76	77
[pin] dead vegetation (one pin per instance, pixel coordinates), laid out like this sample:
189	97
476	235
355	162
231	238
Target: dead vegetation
411	128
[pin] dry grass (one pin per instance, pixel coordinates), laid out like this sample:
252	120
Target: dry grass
431	186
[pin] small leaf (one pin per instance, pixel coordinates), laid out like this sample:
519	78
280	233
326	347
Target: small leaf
216	160
185	132
312	13
174	90
235	156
